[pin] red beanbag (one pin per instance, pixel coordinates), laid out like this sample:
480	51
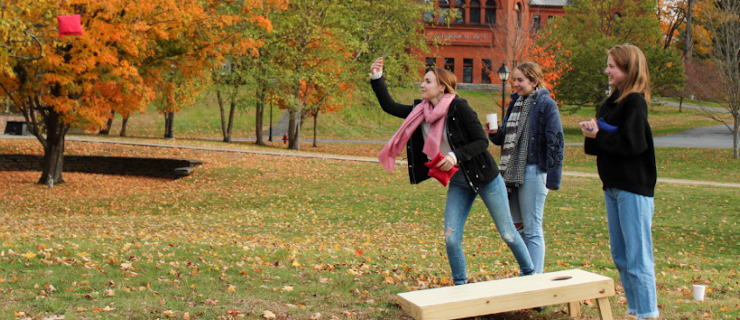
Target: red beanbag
69	25
434	172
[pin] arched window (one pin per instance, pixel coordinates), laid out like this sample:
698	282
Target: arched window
518	11
428	15
459	11
444	10
490	12
475	11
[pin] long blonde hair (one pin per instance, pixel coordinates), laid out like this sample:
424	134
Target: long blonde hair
632	62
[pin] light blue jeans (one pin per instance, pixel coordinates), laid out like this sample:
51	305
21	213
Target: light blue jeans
630	218
459	201
527	203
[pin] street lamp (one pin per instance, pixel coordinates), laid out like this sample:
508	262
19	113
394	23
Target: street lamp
503	75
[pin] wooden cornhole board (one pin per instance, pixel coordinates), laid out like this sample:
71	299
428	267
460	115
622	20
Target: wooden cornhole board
489	297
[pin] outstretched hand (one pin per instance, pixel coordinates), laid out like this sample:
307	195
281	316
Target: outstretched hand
377	66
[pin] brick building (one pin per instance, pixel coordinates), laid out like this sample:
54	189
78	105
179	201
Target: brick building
483	33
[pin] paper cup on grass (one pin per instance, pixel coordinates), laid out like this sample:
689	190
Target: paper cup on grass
492	121
699	292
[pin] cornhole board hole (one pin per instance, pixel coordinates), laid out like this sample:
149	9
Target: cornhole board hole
489	297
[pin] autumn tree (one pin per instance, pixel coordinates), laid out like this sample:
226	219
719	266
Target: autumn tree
518	41
319	51
126	51
580	56
723	22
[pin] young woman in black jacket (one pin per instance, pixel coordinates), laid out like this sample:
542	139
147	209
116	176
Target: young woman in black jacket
445	129
622	142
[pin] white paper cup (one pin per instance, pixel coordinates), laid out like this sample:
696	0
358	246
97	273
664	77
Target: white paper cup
699	292
492	121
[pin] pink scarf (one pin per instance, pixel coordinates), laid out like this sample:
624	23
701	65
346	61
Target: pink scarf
425	111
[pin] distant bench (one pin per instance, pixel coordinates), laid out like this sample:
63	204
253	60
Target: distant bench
489	297
148	167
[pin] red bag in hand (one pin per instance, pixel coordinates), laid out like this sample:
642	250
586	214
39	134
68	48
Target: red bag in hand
434	172
69	25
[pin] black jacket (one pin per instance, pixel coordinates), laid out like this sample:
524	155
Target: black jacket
626	160
465	134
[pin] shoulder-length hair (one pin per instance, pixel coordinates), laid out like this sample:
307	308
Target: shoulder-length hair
446	79
632	62
533	72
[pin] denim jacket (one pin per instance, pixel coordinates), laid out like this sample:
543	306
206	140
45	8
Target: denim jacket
546	144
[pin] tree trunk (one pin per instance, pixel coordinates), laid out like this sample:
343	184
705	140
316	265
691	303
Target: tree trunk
680	103
108	125
688	42
259	117
169	118
315	117
230	126
294	131
123	125
259	114
53	150
227	136
735	136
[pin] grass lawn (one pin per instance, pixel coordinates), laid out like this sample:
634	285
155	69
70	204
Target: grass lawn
249	234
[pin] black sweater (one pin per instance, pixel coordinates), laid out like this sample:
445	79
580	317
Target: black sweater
626	160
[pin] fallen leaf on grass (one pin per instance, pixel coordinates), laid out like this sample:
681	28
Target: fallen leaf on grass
267	314
316	316
54	317
211	302
287	288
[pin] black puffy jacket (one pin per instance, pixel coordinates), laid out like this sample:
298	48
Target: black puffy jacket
465	134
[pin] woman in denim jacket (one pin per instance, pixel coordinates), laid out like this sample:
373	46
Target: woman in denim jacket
532	155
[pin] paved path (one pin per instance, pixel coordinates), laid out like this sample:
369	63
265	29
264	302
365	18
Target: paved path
341	158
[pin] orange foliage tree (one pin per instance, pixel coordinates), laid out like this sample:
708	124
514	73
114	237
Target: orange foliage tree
125	56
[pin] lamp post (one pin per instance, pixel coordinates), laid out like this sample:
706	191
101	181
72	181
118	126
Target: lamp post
503	75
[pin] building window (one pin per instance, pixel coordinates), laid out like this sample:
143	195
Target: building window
536	22
467	70
428	15
475	12
518	11
459	11
444	10
490	10
450	64
431	63
486	72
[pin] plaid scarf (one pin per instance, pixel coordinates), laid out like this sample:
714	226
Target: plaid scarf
516	143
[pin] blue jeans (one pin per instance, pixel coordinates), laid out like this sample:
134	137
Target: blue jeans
527	203
459	201
630	218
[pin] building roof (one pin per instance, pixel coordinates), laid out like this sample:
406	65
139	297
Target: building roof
548	3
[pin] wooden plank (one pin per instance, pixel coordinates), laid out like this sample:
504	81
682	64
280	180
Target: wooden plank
505	295
574	309
605	310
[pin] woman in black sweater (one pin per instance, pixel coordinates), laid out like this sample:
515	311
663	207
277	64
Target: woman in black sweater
622	142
